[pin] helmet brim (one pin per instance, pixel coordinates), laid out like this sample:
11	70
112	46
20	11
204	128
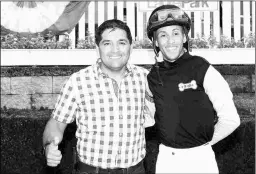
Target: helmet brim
169	23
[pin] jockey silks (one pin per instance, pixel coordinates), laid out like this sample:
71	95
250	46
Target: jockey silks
184	113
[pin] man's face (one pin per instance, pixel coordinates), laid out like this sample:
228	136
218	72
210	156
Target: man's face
170	41
114	49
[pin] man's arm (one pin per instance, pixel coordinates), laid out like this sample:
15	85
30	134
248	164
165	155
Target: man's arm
64	113
222	99
52	136
53	129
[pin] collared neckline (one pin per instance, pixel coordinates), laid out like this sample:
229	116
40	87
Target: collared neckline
167	64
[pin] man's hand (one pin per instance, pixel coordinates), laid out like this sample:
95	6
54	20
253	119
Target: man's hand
52	153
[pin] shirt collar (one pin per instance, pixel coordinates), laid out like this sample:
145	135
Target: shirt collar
179	61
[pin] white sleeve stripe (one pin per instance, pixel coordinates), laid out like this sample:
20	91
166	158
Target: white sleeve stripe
222	99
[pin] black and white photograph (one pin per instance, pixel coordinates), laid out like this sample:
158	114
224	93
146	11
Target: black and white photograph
128	87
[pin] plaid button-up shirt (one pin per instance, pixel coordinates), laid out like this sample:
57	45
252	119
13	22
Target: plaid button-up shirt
111	118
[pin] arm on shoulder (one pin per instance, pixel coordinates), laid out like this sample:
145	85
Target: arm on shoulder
149	108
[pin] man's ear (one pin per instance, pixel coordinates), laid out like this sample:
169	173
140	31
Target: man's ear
184	38
98	51
131	49
156	43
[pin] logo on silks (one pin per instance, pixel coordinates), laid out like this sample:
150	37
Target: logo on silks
190	85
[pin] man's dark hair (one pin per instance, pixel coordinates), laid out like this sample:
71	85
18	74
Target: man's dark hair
112	24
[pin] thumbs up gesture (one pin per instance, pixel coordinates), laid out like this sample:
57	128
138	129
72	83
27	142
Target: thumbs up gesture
52	153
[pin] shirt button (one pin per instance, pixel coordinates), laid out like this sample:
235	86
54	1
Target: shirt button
120	134
173	153
119	151
120	116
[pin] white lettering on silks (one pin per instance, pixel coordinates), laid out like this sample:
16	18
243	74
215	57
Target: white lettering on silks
183	86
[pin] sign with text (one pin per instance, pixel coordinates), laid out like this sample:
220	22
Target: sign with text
185	5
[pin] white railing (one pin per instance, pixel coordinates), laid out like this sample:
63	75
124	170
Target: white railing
233	19
45	57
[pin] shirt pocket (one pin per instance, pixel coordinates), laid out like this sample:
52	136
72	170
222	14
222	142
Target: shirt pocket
92	117
93	125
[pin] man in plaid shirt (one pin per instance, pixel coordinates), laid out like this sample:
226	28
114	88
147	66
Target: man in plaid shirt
112	105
